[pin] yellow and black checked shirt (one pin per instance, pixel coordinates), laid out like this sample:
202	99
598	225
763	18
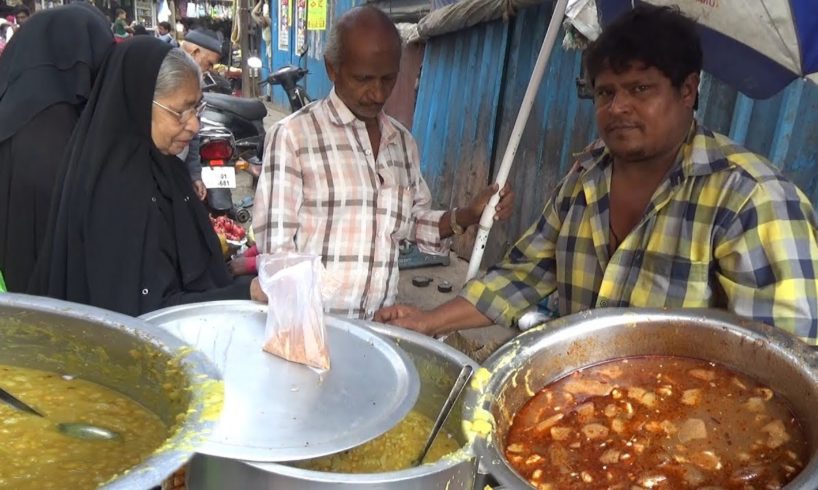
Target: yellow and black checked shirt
723	230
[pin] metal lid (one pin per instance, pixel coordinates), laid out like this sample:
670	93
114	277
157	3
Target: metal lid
276	410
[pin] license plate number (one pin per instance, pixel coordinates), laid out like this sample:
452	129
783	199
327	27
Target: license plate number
219	177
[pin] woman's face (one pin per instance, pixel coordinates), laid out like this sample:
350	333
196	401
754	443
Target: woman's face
171	134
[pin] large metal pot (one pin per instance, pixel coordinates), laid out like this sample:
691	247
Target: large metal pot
438	366
128	355
521	368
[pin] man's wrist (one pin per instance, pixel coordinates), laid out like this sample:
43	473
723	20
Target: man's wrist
457	228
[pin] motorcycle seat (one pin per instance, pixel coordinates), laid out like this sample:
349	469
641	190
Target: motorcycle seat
251	109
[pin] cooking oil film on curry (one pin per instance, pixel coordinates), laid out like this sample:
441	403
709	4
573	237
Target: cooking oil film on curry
648	398
276	410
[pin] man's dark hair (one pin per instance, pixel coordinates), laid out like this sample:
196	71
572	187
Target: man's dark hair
165	25
661	37
22	9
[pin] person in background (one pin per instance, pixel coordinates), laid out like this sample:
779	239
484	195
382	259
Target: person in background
21	15
139	30
659	212
126	232
342	180
46	75
5	29
261	15
164	34
204	47
120	28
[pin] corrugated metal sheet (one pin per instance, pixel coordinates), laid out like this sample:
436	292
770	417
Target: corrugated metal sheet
451	90
401	104
559	126
456	112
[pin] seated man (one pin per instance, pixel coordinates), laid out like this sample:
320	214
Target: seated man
661	212
342	180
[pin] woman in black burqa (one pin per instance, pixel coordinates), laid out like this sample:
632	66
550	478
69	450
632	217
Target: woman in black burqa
127	232
46	74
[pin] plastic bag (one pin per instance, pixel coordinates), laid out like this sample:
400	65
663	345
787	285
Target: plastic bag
295	316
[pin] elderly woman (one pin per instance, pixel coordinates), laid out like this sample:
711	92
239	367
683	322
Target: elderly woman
46	74
127	232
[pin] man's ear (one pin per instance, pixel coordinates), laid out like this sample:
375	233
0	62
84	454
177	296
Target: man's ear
331	72
690	90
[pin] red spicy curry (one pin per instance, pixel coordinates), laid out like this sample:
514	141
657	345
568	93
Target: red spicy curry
656	422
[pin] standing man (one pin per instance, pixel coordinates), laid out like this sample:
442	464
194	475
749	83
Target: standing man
204	47
660	212
342	180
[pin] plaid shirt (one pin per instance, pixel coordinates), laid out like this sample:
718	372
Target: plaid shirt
323	192
723	230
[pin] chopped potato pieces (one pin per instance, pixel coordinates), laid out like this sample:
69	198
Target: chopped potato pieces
657	423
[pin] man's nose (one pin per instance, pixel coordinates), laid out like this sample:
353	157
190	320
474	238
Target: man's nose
379	92
621	102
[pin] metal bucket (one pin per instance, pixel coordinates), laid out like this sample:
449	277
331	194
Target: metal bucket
534	359
438	366
123	353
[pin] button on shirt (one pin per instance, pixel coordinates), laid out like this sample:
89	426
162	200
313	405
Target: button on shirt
723	230
322	192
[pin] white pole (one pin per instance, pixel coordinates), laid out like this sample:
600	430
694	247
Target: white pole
487	219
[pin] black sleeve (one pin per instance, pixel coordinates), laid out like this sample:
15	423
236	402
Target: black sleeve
239	289
193	161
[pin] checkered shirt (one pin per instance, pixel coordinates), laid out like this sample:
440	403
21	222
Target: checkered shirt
322	192
723	230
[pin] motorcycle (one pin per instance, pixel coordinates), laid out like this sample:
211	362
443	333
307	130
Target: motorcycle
232	138
288	77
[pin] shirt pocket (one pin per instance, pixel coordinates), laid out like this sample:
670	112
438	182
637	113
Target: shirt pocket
394	211
671	281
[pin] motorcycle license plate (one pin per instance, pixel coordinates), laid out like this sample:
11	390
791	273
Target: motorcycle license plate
219	177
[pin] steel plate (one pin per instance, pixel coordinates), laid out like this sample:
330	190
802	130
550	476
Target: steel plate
276	410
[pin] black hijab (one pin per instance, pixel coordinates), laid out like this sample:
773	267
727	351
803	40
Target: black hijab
106	234
52	58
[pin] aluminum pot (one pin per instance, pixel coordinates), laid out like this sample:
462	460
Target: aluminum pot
438	365
128	355
534	359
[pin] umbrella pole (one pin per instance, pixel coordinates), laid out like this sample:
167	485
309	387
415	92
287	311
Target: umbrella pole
487	218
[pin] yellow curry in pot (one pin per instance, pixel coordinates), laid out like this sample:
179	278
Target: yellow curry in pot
33	454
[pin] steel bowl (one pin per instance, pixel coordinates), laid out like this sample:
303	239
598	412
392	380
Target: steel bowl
438	365
536	358
128	355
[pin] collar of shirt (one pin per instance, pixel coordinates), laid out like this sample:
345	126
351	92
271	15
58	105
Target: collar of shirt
699	155
340	115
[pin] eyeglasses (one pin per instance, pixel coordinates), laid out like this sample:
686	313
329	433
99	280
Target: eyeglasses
185	115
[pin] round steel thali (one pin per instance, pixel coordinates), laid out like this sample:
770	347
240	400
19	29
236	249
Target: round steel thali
276	410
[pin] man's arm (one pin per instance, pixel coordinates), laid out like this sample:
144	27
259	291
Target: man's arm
768	260
279	194
520	281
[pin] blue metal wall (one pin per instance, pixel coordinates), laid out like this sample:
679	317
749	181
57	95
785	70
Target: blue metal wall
316	82
460	150
457	105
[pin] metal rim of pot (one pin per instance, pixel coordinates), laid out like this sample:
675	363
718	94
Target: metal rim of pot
504	365
461	455
198	419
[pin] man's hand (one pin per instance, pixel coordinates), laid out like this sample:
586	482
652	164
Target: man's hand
200	189
256	294
502	211
404	316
